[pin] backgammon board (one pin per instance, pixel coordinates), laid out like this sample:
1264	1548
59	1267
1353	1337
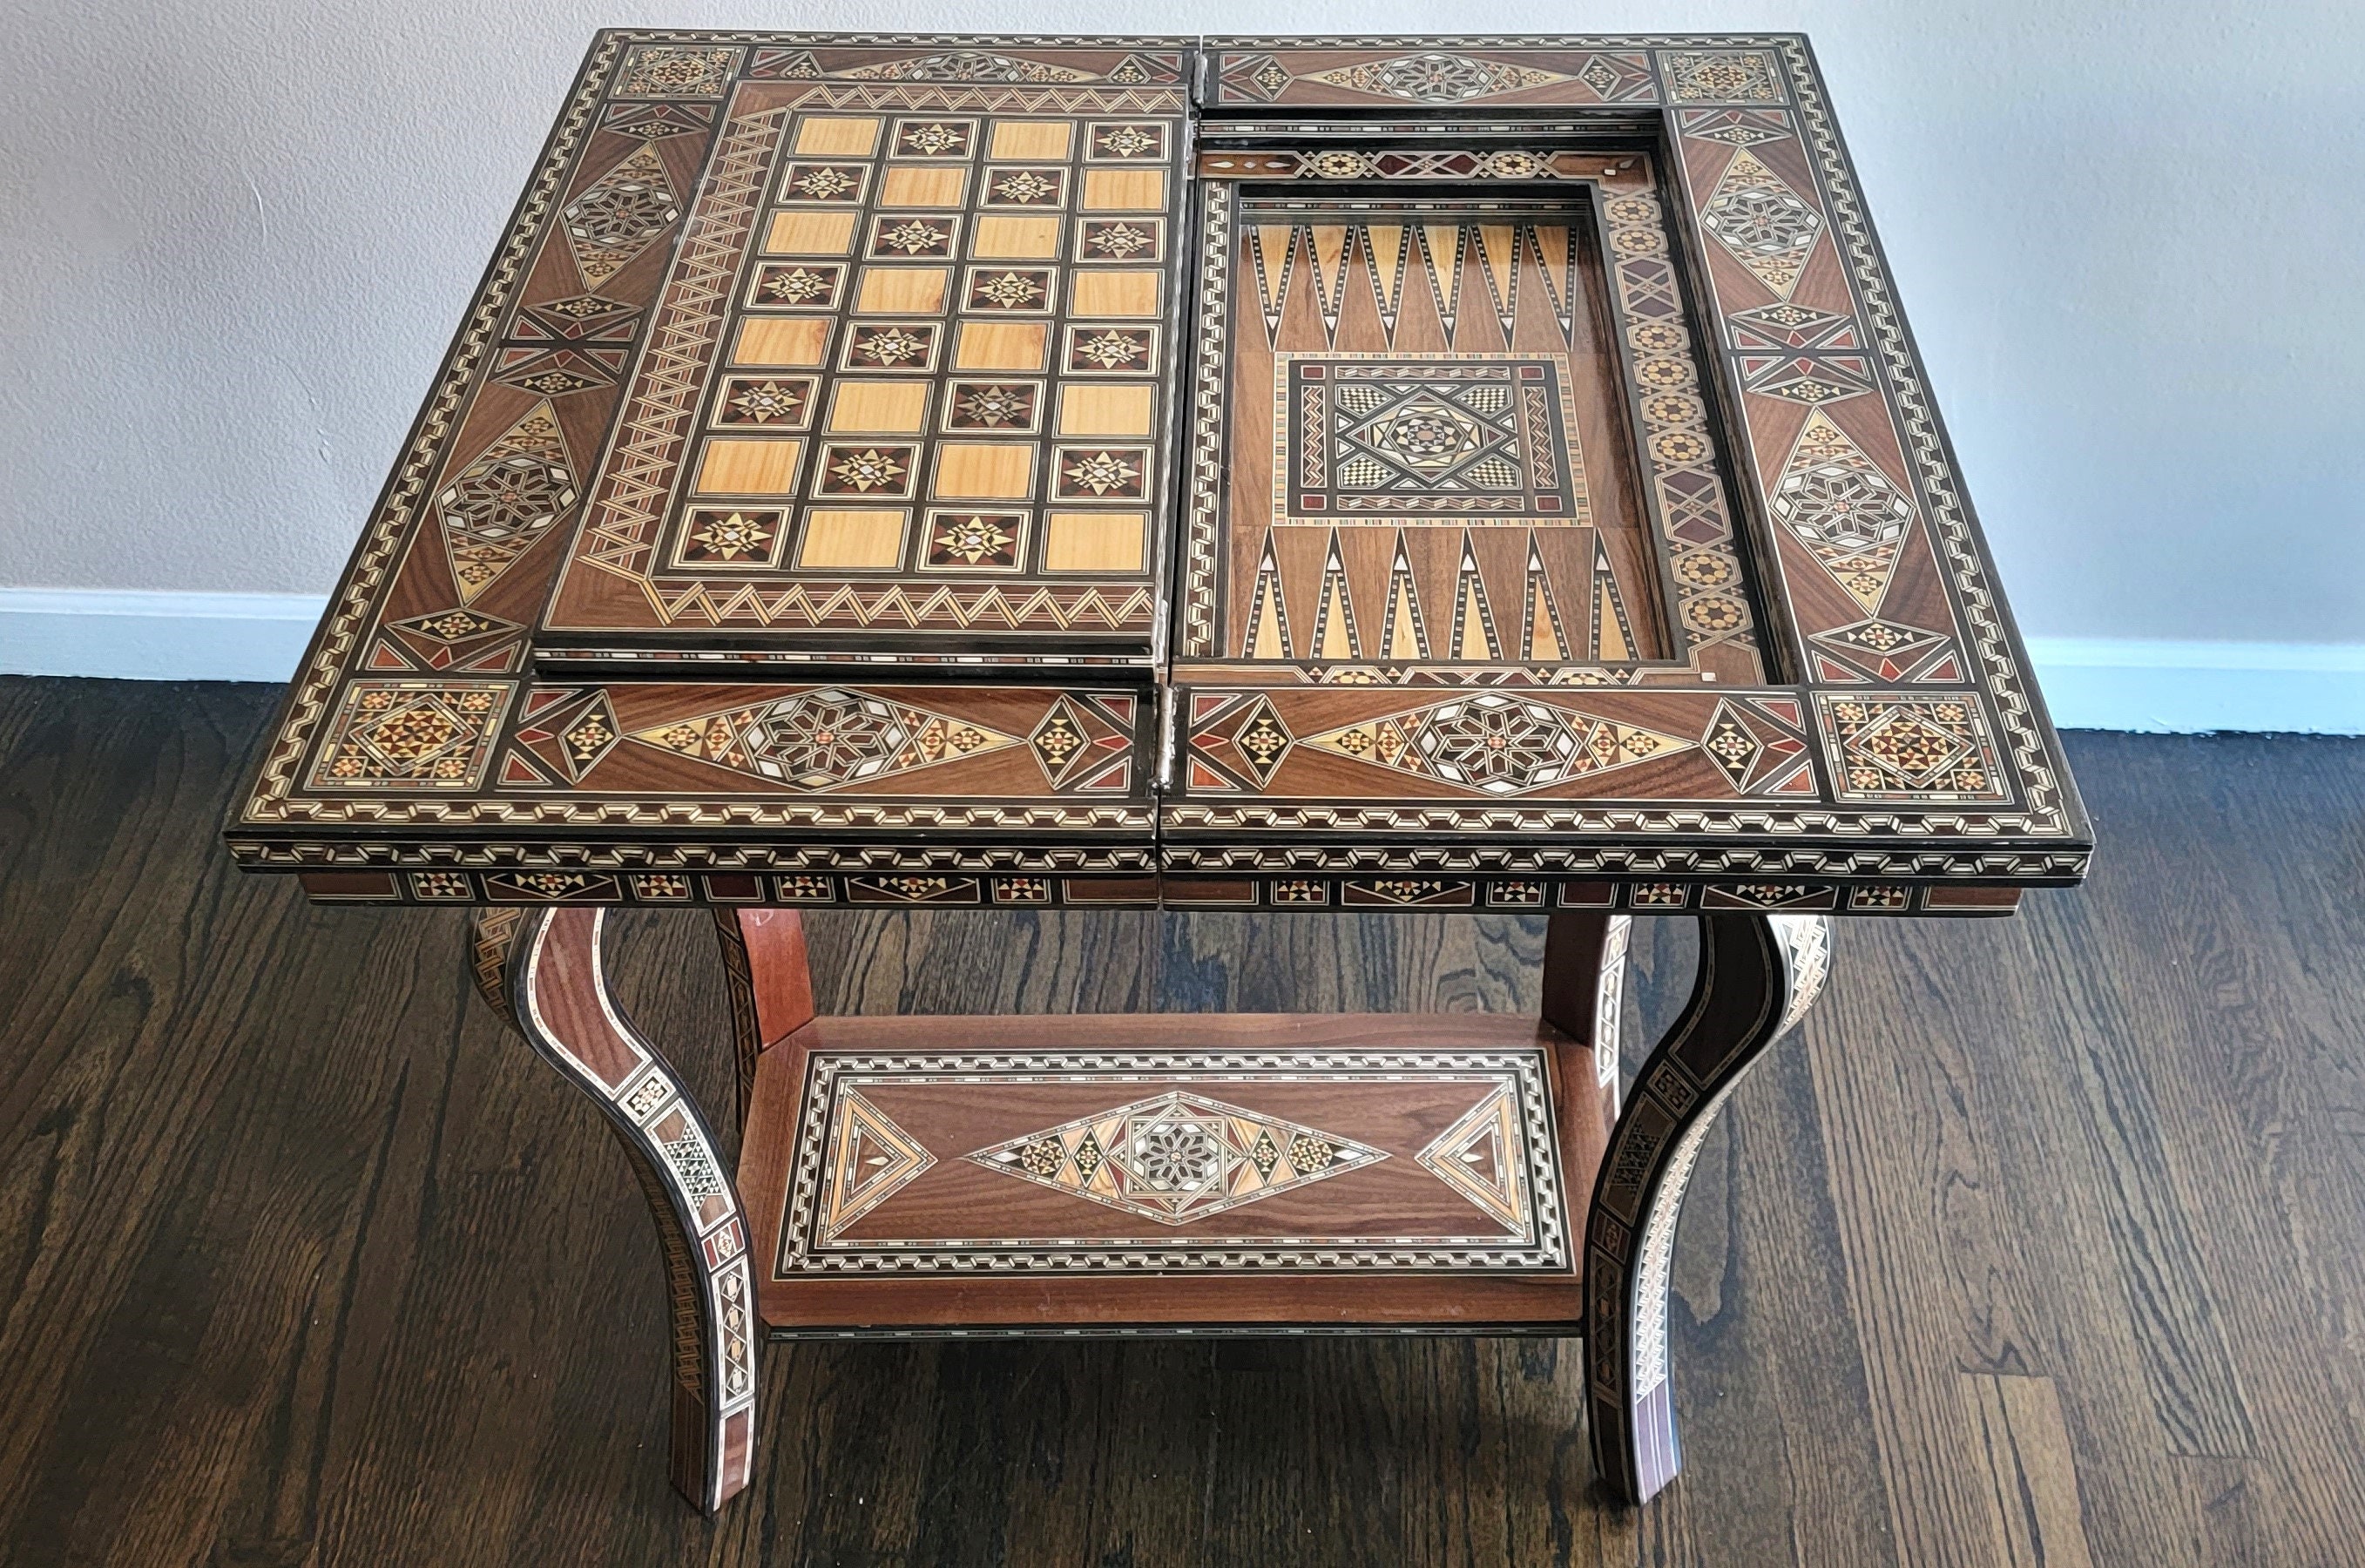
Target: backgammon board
1478	473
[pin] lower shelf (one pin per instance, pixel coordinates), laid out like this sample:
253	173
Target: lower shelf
1172	1173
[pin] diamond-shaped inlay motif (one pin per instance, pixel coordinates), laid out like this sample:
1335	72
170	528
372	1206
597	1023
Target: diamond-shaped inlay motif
825	739
1840	503
443	638
1767	226
1880	651
494	509
1600	75
591	736
1262	740
1177	1157
1435	77
1263	75
1732	747
1059	740
1500	744
620	216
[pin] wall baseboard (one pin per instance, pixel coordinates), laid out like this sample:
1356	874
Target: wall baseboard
2090	683
2177	688
127	635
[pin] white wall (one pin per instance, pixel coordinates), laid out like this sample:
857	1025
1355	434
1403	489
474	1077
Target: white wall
236	238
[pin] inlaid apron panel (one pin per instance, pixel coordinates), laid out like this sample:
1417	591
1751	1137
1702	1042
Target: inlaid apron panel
1164	1162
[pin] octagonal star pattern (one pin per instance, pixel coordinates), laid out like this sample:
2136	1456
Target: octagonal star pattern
1498	745
825	739
1762	222
621	215
494	509
1375	437
1177	1157
1843	508
1434	77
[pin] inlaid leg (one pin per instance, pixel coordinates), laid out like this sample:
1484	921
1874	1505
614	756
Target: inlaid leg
771	984
1758	975
542	972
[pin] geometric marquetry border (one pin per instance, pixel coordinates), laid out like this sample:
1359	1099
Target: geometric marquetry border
1180	889
1522	1072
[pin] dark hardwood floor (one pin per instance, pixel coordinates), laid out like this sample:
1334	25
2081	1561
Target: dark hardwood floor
2046	1246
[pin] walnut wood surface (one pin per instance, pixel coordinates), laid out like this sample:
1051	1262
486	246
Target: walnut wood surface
844	418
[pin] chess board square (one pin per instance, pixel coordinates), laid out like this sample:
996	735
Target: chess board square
1128	292
924	184
1010	237
902	291
748	466
838	136
893	408
852	540
1010	408
797	286
810	234
934	139
791	340
1025	187
1042	139
1125	190
838	184
1117	409
1095	542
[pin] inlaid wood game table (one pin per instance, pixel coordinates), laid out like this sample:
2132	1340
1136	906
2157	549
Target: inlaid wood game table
1312	474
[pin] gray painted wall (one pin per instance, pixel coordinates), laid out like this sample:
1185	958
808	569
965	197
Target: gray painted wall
237	238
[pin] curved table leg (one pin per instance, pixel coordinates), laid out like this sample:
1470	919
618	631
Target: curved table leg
1758	975
541	971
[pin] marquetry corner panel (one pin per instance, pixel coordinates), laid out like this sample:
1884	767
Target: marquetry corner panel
1302	474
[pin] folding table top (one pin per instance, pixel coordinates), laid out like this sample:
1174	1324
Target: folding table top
1437	473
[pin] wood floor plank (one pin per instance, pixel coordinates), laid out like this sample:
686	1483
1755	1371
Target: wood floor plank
303	1262
2032	1470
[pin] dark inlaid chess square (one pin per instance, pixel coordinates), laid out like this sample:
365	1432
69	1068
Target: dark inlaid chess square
1012	407
913	236
803	285
836	184
1026	290
774	402
731	536
967	540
